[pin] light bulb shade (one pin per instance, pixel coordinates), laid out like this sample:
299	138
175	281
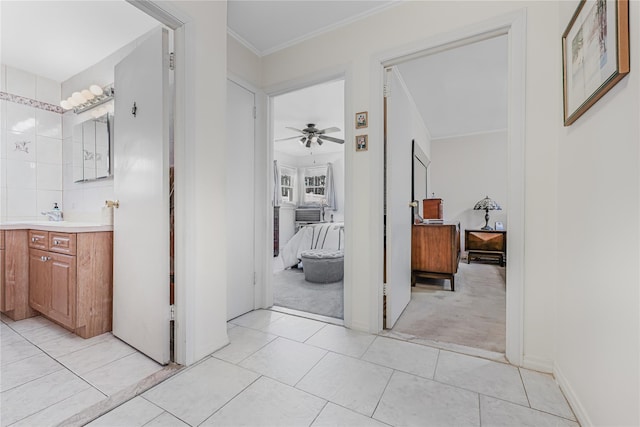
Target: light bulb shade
96	90
487	204
66	104
72	101
88	95
77	96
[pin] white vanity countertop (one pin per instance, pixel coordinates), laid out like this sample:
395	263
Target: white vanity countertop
60	226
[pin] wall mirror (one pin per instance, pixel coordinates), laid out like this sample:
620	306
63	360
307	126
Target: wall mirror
92	149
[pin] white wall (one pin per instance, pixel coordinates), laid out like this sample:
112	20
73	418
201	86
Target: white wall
598	294
30	178
353	49
243	63
466	169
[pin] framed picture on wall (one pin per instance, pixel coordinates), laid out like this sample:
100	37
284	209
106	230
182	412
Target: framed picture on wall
362	120
595	54
362	142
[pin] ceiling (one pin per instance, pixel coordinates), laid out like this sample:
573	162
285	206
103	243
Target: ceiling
322	105
459	91
58	39
268	26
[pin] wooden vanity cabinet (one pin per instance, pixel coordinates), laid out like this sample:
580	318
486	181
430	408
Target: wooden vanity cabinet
52	286
71	282
14	275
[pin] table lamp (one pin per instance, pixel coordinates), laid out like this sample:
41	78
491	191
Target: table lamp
487	205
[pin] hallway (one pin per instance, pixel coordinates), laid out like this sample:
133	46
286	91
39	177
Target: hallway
286	370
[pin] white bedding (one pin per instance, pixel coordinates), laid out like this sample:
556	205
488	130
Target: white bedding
325	235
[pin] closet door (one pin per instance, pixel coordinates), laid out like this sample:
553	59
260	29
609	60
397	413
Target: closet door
240	200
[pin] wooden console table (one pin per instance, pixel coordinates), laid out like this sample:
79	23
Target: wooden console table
435	251
490	244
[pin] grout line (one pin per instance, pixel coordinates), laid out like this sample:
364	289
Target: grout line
524	387
479	411
393	371
159	415
231	399
319	412
311	369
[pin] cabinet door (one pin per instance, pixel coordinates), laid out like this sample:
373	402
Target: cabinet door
63	289
39	280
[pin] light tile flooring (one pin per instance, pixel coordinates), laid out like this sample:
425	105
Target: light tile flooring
282	370
48	374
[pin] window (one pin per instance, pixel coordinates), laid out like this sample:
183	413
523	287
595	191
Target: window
287	184
314	186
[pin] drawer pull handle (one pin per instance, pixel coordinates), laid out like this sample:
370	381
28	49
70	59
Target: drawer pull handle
34	239
56	242
45	258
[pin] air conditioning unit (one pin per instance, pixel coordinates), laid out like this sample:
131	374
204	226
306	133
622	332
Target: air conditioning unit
308	216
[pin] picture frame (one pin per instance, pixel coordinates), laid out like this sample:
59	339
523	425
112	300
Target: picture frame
595	54
362	120
362	142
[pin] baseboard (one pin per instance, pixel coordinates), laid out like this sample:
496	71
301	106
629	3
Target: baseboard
537	364
572	398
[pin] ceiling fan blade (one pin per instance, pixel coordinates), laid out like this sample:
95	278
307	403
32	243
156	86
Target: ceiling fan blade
308	145
319	141
297	130
332	139
285	139
329	130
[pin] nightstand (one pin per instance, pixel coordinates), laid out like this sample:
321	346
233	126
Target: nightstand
483	244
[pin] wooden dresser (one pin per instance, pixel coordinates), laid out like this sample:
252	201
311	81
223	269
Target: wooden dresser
435	251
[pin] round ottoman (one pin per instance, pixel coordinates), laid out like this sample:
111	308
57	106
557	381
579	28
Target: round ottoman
323	265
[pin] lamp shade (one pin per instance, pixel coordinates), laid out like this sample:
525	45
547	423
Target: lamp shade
487	204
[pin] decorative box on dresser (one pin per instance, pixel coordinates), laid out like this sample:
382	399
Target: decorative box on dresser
435	251
432	209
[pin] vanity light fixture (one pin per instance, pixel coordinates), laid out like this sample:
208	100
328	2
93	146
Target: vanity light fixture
87	99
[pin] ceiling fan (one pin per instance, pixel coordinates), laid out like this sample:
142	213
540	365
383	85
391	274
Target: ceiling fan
312	134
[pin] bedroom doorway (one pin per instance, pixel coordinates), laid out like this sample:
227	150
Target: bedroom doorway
457	183
308	201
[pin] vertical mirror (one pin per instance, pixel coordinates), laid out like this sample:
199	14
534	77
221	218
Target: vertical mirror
91	149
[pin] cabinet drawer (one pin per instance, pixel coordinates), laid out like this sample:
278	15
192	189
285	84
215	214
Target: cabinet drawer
63	243
39	239
485	241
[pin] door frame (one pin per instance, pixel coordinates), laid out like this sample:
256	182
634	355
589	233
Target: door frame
514	26
335	73
183	120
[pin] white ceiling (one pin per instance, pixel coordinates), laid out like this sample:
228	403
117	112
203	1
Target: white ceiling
58	39
458	92
268	26
461	91
322	105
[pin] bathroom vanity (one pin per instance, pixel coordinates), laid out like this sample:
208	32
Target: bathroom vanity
62	270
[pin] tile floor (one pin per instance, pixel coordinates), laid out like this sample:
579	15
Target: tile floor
48	374
281	370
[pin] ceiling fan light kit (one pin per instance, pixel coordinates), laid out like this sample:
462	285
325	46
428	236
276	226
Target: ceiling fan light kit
313	135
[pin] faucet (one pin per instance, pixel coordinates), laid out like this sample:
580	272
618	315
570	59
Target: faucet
54	214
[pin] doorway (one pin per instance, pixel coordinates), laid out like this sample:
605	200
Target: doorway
308	201
511	28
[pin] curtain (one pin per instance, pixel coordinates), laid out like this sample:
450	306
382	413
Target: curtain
277	191
330	188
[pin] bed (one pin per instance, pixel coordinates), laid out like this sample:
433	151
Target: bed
324	235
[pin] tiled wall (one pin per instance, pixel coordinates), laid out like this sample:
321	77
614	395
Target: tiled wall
30	145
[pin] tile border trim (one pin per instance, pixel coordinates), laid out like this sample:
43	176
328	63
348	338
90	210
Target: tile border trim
31	102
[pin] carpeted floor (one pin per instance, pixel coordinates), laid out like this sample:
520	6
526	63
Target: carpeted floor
291	290
472	316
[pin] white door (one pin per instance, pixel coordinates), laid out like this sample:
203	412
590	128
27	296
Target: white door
141	185
399	213
240	200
